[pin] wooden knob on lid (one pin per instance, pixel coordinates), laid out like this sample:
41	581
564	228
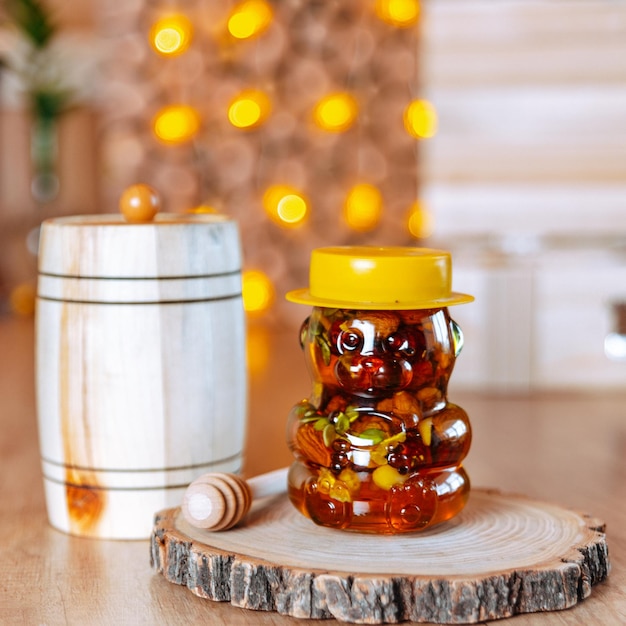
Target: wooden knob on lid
140	203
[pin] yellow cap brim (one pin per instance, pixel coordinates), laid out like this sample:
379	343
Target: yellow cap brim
303	296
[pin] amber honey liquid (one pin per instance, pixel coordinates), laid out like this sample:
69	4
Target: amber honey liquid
378	447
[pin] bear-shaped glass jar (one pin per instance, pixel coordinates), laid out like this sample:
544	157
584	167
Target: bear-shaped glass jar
378	448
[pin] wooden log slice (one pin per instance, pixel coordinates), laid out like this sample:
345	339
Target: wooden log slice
503	555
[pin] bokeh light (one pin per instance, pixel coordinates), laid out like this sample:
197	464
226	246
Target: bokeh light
363	207
249	109
176	124
285	205
421	222
257	290
22	299
336	112
203	209
399	13
420	119
171	35
258	348
249	19
305	97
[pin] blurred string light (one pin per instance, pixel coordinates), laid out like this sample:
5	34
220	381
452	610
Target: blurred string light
336	112
399	13
176	124
285	205
258	348
171	35
420	119
421	222
249	19
249	109
22	299
363	207
257	291
203	209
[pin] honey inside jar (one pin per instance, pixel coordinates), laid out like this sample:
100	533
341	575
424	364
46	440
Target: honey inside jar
377	446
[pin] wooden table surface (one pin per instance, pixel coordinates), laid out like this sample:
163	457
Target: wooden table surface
568	448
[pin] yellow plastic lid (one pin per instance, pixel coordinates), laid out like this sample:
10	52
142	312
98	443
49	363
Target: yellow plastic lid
368	277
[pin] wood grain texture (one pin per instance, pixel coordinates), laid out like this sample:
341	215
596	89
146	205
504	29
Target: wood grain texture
537	42
531	126
502	556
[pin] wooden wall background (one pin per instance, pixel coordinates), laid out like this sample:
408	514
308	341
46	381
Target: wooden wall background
527	179
532	100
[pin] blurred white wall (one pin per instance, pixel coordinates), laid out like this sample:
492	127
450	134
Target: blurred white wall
527	180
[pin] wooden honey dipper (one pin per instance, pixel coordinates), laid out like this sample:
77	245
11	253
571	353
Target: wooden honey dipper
218	501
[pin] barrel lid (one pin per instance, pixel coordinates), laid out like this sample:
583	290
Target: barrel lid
170	246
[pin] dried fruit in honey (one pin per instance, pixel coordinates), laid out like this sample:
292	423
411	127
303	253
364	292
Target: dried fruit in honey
310	443
429	396
336	403
416	316
385	405
425	428
351	479
368	424
380	453
384	322
385	477
341	488
405	403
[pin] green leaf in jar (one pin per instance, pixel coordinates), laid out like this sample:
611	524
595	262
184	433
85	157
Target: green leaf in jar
375	435
352	413
304	409
395	439
342	424
324	347
321	423
329	435
309	419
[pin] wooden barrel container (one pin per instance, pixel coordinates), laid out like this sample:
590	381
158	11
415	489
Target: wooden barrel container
141	378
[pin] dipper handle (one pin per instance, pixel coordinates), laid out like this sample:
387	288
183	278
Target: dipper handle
218	501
